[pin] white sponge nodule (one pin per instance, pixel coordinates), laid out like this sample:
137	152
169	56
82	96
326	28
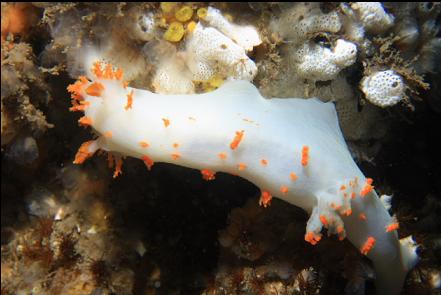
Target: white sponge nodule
383	88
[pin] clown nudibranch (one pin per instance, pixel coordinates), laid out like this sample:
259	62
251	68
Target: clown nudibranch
291	148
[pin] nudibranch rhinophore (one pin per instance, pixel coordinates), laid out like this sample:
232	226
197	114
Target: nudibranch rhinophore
291	148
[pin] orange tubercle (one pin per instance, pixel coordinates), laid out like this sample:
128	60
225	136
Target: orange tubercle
237	139
166	122
110	160
222	156
95	89
118	74
208	174
293	176
129	101
340	229
362	216
108	72
97	70
367	187
265	199
392	227
85	121
175	156
144	144
175	145
242	166
108	134
118	167
348	212
76	88
264	162
148	161
368	245
83	153
284	189
305	155
312	238
323	220
79	107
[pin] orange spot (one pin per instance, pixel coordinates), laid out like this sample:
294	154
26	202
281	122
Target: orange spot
76	88
237	139
367	187
95	89
305	155
340	229
242	166
336	207
208	174
118	167
283	189
265	199
83	153
129	101
176	145
144	144
392	227
148	161
222	156
293	176
166	122
97	70
264	162
108	134
368	245
362	216
110	160
175	156
125	84
348	212
118	74
108	72
85	121
323	220
312	238
353	195
342	187
79	107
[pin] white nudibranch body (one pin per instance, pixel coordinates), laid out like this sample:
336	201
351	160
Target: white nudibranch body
291	148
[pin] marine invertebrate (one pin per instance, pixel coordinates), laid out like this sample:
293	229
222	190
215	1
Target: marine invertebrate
293	135
373	17
383	88
245	36
210	52
319	63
